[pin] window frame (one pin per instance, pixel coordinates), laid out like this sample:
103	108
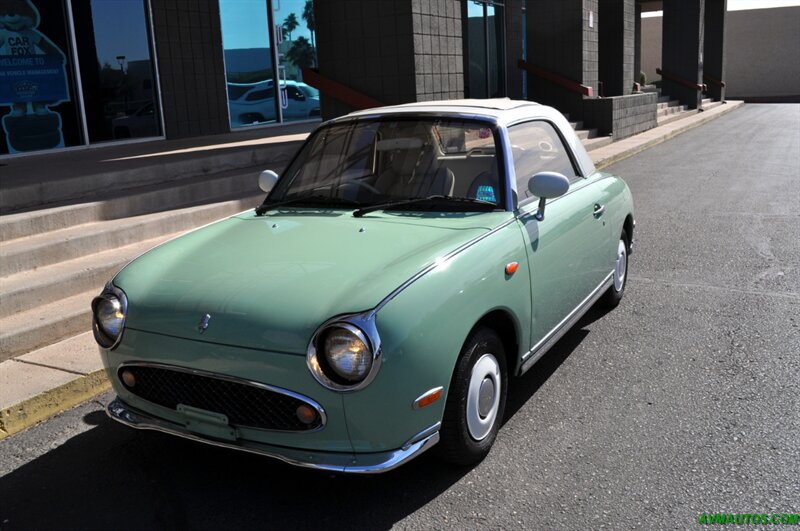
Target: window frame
579	176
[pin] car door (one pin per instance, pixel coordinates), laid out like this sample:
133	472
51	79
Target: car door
567	249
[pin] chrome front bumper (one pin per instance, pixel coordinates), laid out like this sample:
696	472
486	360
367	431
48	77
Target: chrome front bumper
371	463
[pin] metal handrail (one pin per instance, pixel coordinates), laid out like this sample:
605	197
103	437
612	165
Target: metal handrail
336	90
713	81
560	80
679	80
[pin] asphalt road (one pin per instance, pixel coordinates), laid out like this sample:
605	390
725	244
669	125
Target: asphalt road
684	400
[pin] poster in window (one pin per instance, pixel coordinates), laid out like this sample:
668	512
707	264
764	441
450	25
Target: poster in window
33	78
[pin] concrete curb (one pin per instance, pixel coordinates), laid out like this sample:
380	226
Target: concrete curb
83	385
617	151
51	402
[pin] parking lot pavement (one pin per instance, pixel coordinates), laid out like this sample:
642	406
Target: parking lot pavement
683	401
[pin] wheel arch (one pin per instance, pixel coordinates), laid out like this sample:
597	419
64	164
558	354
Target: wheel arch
503	323
628	226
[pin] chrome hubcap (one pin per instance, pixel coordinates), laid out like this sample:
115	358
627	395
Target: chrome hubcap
620	269
483	397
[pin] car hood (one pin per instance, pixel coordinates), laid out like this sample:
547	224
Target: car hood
269	282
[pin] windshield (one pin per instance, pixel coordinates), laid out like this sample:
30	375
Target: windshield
391	161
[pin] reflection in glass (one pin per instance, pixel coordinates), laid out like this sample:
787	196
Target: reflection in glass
296	50
485	49
248	62
117	76
494	25
476	32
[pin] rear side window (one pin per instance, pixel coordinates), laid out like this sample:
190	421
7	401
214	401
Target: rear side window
537	147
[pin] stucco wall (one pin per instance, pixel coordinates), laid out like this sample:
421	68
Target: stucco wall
761	56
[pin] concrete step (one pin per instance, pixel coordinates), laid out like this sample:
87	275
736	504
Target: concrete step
576	125
667	104
711	105
124	173
663	120
705	101
27	331
28	253
585	134
26	290
597	142
133	202
667	111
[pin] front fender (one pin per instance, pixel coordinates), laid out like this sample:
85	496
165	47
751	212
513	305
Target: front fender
423	329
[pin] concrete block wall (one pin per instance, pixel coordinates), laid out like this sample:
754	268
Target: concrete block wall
438	49
560	40
621	116
591	44
188	42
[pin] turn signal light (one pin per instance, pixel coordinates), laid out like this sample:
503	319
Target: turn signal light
428	398
306	414
128	378
511	268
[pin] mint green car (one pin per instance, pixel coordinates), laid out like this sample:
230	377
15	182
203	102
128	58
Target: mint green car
408	262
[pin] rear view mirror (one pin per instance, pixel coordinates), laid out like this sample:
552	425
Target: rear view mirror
546	185
267	180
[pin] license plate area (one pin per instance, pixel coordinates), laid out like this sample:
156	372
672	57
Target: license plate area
207	423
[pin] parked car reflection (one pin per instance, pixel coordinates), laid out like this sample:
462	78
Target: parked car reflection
142	123
254	103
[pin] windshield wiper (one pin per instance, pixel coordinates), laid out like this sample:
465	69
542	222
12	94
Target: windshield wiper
432	198
312	198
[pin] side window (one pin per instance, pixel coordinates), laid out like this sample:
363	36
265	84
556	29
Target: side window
537	147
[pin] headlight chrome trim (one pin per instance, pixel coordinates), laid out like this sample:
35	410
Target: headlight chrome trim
109	292
362	325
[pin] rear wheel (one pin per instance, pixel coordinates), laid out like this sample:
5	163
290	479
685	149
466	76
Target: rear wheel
620	275
476	400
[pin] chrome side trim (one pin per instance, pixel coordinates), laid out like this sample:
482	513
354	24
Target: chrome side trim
329	461
439	261
539	349
197	372
424	434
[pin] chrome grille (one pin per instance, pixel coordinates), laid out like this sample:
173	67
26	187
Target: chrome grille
244	404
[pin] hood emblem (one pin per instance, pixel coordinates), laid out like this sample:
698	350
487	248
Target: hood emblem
203	324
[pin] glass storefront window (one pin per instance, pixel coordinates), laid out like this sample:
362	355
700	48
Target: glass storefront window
249	67
116	69
476	32
485	37
38	103
296	50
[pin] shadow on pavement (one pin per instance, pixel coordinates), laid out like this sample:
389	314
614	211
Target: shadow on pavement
112	477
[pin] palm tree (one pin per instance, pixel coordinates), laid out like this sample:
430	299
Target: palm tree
311	24
301	53
290	24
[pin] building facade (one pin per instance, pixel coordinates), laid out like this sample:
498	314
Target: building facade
77	73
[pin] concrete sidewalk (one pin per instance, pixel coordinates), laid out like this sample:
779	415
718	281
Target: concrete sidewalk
40	384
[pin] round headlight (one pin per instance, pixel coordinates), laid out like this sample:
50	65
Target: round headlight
347	354
109	316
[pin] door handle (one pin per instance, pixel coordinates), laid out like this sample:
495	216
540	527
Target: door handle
598	210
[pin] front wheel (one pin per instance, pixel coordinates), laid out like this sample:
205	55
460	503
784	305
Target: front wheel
620	275
476	400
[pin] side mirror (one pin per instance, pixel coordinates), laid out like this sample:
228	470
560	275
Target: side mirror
267	180
546	185
299	96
